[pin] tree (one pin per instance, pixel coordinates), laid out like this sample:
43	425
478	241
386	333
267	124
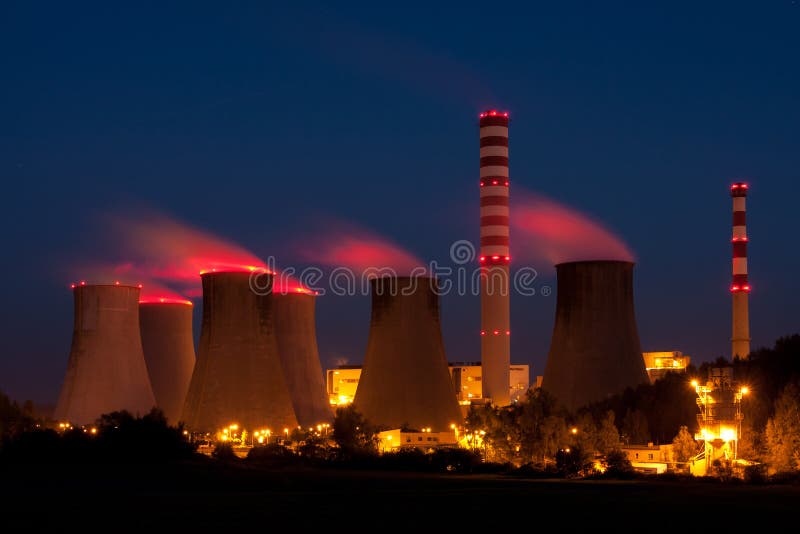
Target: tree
634	427
618	465
683	445
352	433
607	434
783	431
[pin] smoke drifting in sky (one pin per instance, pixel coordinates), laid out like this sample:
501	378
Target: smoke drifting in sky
544	229
167	251
340	244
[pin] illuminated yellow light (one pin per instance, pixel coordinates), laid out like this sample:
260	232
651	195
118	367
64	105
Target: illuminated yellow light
93	431
261	439
727	434
574	430
745	390
694	383
388	437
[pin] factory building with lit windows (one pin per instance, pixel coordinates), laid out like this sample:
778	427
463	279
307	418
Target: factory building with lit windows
342	382
658	364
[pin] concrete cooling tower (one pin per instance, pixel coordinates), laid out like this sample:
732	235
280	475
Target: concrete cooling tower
106	370
238	376
405	378
296	333
595	350
166	326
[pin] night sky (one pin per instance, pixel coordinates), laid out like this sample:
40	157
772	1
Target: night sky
253	122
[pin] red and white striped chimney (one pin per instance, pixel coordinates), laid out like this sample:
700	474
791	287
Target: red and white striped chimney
494	258
740	288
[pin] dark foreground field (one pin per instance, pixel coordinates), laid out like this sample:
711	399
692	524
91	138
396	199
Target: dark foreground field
203	496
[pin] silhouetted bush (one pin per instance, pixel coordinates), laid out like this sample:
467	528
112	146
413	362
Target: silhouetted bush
272	455
618	465
119	437
224	452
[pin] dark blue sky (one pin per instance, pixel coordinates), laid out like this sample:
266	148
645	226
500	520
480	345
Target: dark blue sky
251	121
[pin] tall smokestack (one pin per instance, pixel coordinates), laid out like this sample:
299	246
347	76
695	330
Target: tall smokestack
296	333
595	350
106	370
405	378
238	376
494	257
166	325
740	288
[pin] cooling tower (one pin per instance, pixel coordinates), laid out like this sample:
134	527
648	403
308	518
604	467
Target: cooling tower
494	257
238	376
297	346
405	378
168	345
106	370
595	350
740	287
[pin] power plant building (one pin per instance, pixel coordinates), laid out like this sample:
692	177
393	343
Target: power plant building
595	350
238	377
404	380
342	382
296	334
168	344
658	364
106	371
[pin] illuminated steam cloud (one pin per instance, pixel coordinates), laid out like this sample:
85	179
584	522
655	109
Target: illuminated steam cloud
544	229
347	245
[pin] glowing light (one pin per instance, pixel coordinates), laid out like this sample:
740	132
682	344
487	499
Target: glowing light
483	258
694	383
72	286
495	257
494	182
727	434
483	332
745	390
508	332
93	430
496	332
83	282
261	439
165	300
235	268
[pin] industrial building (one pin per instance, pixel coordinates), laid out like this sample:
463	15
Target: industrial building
423	439
106	370
720	416
168	345
595	350
342	382
238	377
404	380
296	334
495	286
659	364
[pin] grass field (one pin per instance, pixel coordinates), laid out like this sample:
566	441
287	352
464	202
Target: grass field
210	496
